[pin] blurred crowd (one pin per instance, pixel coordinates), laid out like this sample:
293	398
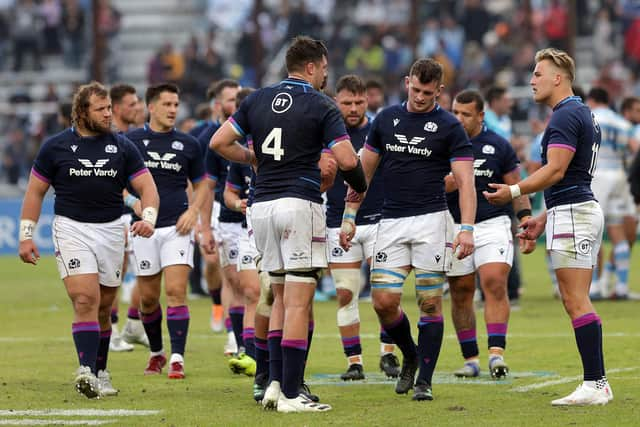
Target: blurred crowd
482	44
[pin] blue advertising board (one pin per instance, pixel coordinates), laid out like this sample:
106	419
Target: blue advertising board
10	221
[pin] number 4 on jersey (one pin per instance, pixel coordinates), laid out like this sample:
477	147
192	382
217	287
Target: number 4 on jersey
273	144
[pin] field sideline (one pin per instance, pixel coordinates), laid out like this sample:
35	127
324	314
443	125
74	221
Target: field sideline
37	361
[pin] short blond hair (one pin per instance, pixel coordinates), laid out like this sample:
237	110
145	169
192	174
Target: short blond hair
560	59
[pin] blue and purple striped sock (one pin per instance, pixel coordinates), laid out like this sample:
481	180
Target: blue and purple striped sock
237	315
468	343
152	323
274	339
178	325
248	338
293	359
497	335
103	350
262	356
400	333
587	331
429	344
133	313
351	346
86	337
227	324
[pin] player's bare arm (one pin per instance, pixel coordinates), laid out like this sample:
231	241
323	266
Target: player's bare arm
132	202
31	207
233	200
464	177
522	208
145	186
207	239
546	176
225	143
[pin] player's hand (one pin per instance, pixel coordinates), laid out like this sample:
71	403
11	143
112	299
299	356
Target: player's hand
526	246
501	196
328	169
347	231
463	244
142	228
532	228
28	252
208	243
242	205
187	221
352	196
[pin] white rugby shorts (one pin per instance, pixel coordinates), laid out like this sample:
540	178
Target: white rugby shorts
227	237
290	234
164	248
247	251
422	241
361	244
493	243
574	234
89	248
611	189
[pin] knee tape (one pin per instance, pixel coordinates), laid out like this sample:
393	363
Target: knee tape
303	276
265	301
388	279
348	279
429	284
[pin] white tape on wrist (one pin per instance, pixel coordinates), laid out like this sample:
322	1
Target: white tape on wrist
150	215
238	205
515	191
27	228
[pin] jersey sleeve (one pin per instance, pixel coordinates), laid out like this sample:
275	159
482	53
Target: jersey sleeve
510	160
235	178
460	147
212	165
562	131
373	141
44	165
240	119
134	165
333	129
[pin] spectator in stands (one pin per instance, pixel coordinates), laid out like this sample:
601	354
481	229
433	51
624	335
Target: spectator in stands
13	157
475	21
375	97
366	57
73	21
51	11
556	24
496	115
25	22
173	63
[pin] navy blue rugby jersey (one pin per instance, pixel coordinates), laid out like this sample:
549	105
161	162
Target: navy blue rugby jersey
88	174
493	158
573	127
204	138
416	149
173	158
241	178
290	123
217	168
370	211
198	128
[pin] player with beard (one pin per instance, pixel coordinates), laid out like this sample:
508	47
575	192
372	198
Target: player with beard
291	122
88	166
174	159
574	219
351	97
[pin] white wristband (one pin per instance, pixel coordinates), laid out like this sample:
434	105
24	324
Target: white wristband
150	215
238	205
515	191
27	227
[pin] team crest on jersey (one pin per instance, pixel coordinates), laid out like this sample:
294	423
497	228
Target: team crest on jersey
488	149
177	145
74	148
145	142
395	122
431	127
111	149
281	103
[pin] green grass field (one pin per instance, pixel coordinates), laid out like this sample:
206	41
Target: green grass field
37	361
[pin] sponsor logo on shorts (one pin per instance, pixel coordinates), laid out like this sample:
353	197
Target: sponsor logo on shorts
74	263
145	264
233	254
584	247
381	257
181	252
337	251
438	257
247	259
297	256
117	274
501	250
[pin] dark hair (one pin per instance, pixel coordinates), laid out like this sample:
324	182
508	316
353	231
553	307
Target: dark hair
599	95
216	88
494	93
303	50
80	104
242	94
202	111
374	84
119	91
468	96
427	70
352	83
64	109
627	103
153	92
578	91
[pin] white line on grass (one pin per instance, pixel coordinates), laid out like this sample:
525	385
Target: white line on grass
77	412
563	380
37	422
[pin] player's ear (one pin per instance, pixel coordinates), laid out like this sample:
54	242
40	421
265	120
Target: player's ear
406	82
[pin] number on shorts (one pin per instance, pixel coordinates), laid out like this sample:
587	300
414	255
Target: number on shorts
273	144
